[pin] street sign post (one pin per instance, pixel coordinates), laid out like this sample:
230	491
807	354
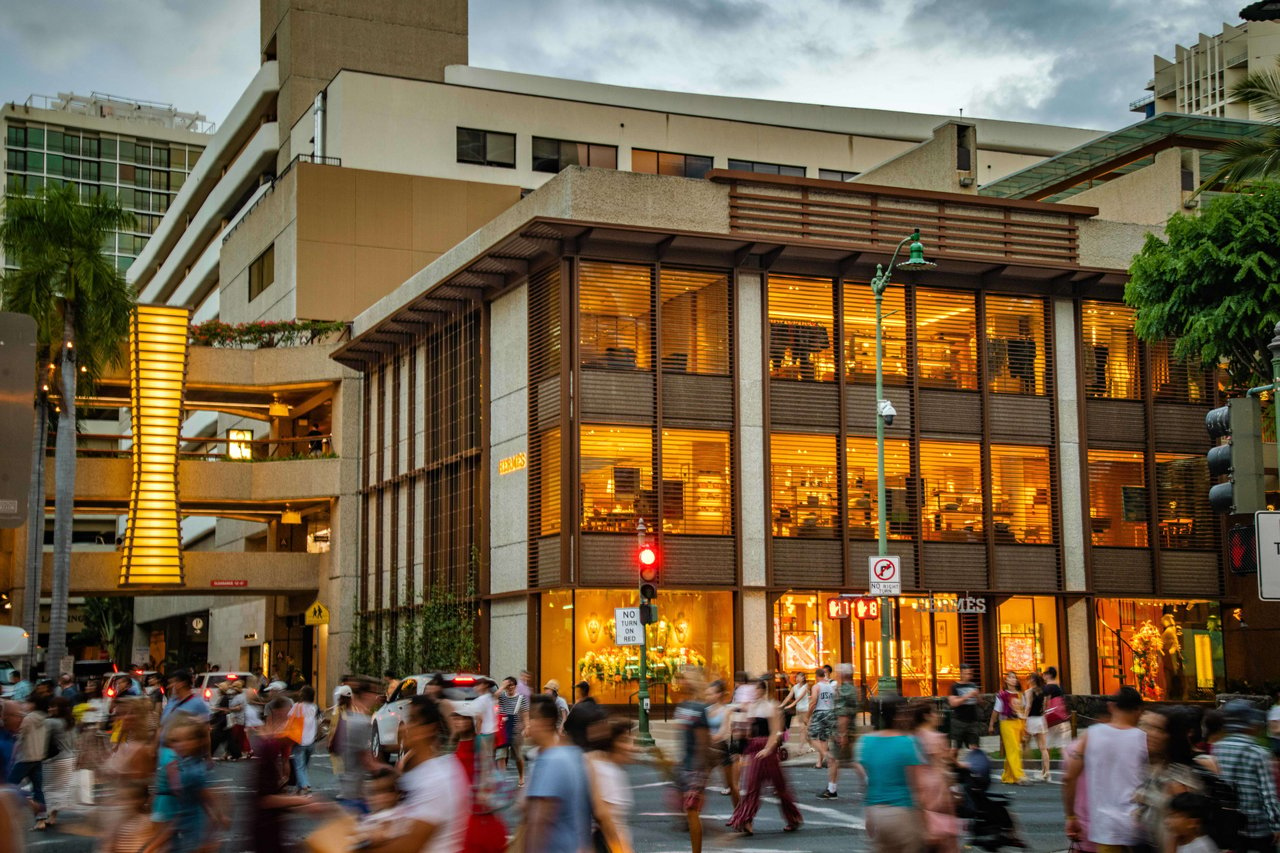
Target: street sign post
884	577
628	631
1268	529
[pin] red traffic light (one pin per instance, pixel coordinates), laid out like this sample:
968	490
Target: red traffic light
866	608
647	557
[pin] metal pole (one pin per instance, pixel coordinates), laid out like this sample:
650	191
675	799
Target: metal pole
888	685
1274	346
643	738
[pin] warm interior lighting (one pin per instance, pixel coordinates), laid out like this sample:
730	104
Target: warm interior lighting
152	552
278	409
238	446
290	516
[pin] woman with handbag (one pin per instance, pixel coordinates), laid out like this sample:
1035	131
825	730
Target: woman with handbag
1034	700
1010	713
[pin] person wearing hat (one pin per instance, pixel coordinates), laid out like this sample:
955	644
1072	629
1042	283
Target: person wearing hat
1246	764
484	709
1112	758
552	689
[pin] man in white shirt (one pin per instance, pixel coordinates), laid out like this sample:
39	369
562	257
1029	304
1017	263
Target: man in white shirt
1113	758
484	708
437	794
822	721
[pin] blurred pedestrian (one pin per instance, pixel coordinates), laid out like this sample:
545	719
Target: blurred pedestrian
485	707
183	801
434	813
11	714
183	699
67	689
1185	823
60	759
1247	765
136	832
552	689
888	760
29	753
942	827
525	685
22	687
1171	772
840	747
823	717
585	710
220	719
765	736
237	740
485	831
720	726
1010	713
558	802
611	798
797	694
696	756
341	707
1112	760
513	707
308	717
1034	701
272	802
966	727
357	734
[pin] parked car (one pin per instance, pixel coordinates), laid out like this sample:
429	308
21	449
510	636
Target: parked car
207	682
459	688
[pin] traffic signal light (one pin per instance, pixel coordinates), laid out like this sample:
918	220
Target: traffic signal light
648	563
1239	459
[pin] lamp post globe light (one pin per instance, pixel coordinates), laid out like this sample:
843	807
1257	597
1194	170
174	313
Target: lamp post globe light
888	684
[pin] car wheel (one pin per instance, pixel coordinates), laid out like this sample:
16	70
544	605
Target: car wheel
375	746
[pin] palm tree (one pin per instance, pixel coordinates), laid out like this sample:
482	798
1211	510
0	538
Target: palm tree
1252	158
81	305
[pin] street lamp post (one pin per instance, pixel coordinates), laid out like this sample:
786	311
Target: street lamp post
915	261
1274	346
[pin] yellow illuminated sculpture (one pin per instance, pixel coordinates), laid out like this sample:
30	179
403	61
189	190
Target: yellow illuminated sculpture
158	370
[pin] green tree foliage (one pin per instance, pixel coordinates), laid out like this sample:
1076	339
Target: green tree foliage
1213	286
81	304
1255	157
109	622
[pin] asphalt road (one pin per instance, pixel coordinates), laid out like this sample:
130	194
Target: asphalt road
830	825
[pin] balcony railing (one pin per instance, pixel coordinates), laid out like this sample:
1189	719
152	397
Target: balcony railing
873	216
217	449
1141	103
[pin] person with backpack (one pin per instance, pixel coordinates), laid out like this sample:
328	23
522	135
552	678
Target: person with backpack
1246	765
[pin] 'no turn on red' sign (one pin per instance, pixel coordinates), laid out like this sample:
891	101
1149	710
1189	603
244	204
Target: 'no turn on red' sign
884	576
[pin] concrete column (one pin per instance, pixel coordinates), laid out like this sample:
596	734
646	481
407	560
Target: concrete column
339	583
750	436
1066	383
1079	624
508	637
508	440
756	632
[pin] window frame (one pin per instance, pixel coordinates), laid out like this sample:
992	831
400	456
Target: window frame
738	165
560	157
658	155
486	159
257	269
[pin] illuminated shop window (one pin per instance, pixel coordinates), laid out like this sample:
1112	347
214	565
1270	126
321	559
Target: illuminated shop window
1174	380
1028	634
695	322
1020	509
616	478
1183	516
615	304
804	636
946	343
801	329
697	493
862	468
804	487
951	475
860	334
1118	509
1176	643
1110	353
1016	354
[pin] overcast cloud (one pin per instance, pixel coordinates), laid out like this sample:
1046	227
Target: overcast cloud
1077	63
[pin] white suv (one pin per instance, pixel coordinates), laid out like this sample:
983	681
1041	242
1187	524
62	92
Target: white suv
459	688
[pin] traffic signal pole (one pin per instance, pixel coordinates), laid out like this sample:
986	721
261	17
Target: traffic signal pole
643	738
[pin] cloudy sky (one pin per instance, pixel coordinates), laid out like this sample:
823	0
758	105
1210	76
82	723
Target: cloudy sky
1077	63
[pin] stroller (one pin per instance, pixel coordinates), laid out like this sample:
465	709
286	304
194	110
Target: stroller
991	824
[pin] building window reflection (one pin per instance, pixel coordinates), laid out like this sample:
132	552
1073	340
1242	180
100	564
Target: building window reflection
801	329
1028	640
1175	380
696	483
861	467
1110	354
1015	345
860	334
805	489
615	310
946	340
951	472
616	478
1183	516
1118	498
1189	662
1020	494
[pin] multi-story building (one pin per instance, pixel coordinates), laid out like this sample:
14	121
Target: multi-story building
136	152
532	341
1199	78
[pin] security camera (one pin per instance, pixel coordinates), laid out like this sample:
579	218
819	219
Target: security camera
886	410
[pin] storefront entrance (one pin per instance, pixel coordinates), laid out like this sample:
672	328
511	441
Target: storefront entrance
1167	649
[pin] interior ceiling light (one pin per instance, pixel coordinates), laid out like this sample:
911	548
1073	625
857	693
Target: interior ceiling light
278	409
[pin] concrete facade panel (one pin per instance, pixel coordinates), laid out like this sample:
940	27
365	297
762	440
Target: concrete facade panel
1066	381
508	637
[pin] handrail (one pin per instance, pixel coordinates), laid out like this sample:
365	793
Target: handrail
218	448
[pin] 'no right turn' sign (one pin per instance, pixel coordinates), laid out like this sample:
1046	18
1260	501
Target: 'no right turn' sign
884	576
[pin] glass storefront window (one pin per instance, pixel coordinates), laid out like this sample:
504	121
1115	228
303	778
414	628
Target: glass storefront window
616	478
1020	494
1028	640
1174	380
803	637
697	488
1183	516
801	328
695	322
615	305
805	489
1118	498
1110	351
860	334
1015	345
1168	649
578	642
946	340
862	469
951	472
928	646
